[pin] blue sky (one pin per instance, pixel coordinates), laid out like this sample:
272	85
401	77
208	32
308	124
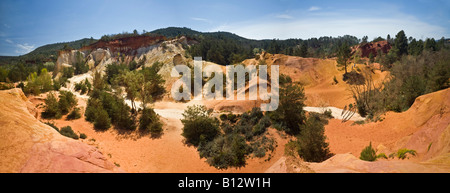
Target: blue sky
28	24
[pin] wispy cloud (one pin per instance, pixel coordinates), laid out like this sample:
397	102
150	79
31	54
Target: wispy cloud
284	16
9	41
314	8
24	48
201	19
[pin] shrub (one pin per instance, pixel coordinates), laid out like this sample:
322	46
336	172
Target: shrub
52	125
51	108
402	153
74	114
232	117
250	125
225	151
92	108
262	125
102	120
149	121
83	136
68	132
199	125
382	155
118	113
368	153
328	114
223	117
67	100
335	80
38	84
291	148
311	141
68	72
227	128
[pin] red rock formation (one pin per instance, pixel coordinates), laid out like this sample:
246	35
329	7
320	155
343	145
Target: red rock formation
126	45
373	48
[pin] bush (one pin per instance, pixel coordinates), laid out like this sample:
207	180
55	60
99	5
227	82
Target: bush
52	125
368	154
92	108
382	156
262	125
225	151
149	122
118	113
83	136
328	114
223	117
311	141
38	84
67	100
68	72
102	120
401	153
68	132
199	125
51	108
74	114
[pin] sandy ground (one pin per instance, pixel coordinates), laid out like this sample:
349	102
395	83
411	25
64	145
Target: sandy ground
134	152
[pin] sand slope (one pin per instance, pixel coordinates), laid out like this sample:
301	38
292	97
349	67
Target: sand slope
27	145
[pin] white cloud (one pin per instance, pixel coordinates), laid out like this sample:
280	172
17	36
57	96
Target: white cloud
284	16
336	24
314	8
201	19
24	48
9	41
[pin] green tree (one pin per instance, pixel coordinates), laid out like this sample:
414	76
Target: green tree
68	72
401	43
368	154
312	145
364	39
33	85
102	120
153	84
304	50
430	44
132	82
343	56
290	112
3	74
80	65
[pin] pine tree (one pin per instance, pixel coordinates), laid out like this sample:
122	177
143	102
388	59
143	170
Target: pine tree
401	43
312	145
344	54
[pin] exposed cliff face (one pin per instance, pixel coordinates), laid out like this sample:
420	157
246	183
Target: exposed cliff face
27	145
373	47
146	50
